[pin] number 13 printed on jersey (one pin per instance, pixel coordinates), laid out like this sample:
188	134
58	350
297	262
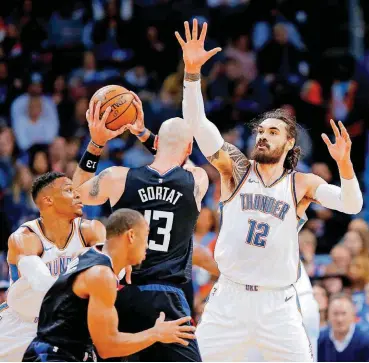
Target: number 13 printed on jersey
156	215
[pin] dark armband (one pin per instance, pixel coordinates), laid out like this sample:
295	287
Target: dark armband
149	143
89	162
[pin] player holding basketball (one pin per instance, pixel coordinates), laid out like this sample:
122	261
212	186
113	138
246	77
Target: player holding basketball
170	199
79	311
39	251
254	301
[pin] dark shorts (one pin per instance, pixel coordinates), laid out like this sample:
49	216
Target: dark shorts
40	351
138	308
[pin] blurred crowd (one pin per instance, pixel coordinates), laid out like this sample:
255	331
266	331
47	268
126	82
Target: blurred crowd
303	56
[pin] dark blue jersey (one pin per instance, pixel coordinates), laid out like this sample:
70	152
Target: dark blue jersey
63	315
167	201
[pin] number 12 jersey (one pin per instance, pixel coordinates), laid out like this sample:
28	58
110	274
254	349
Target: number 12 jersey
258	239
168	204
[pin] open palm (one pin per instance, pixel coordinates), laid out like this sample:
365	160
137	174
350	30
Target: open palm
340	150
194	53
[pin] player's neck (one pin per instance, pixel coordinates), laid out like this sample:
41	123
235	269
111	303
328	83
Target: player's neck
164	163
56	229
270	172
118	258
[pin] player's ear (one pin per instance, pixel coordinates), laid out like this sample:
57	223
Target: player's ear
131	235
47	200
189	149
156	142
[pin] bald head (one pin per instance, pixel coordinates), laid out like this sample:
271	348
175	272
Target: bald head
174	136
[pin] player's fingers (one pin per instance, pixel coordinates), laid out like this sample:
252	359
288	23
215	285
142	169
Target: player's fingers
187	328
203	32
326	140
97	112
194	29
119	131
186	336
91	109
136	97
344	132
212	52
161	316
106	114
181	341
138	108
183	320
335	129
180	39
187	31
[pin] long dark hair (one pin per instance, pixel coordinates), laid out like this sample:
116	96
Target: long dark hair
294	154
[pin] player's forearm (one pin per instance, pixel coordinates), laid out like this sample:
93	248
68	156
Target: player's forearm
202	258
81	176
205	132
124	344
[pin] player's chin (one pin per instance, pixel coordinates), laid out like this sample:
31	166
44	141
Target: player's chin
78	211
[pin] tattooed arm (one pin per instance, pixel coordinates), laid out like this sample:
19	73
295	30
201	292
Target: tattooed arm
109	184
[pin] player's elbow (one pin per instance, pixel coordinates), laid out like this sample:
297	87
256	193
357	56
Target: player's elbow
354	208
104	350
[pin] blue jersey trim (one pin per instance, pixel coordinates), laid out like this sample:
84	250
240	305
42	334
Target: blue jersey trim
159	287
14	272
164	174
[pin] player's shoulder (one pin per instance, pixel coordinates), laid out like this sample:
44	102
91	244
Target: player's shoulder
307	179
93	231
24	241
100	275
197	172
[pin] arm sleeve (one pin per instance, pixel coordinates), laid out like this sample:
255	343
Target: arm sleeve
347	199
36	273
205	132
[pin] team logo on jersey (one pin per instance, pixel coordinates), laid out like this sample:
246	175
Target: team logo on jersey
59	265
264	204
253	181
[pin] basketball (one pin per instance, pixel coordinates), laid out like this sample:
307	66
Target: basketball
123	111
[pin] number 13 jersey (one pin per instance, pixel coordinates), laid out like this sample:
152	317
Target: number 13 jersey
258	239
168	204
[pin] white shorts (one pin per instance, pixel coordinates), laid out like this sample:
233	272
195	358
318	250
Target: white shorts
235	319
15	334
310	318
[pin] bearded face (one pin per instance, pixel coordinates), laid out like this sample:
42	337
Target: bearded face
271	142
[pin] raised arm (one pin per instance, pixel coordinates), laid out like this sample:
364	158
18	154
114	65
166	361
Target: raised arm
103	319
100	135
347	198
231	163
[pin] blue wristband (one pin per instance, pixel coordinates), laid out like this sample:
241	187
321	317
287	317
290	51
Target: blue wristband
142	133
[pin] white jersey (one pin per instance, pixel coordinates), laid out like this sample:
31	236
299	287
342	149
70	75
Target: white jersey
258	240
21	297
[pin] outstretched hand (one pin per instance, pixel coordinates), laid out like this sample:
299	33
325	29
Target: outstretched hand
340	150
100	134
194	53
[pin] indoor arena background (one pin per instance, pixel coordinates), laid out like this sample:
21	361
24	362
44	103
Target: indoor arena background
308	56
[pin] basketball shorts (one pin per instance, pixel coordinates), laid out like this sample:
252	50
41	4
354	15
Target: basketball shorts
41	351
310	318
238	317
138	308
16	333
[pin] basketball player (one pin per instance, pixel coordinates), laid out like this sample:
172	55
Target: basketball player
39	251
254	302
169	197
78	310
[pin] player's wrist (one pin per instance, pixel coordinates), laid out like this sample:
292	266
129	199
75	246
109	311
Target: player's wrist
192	75
93	149
346	169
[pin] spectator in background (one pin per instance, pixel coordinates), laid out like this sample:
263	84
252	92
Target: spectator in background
39	160
57	154
34	116
358	224
7	147
18	201
357	241
341	260
343	341
359	275
239	49
321	296
279	59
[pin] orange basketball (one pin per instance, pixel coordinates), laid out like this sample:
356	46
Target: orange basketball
123	111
